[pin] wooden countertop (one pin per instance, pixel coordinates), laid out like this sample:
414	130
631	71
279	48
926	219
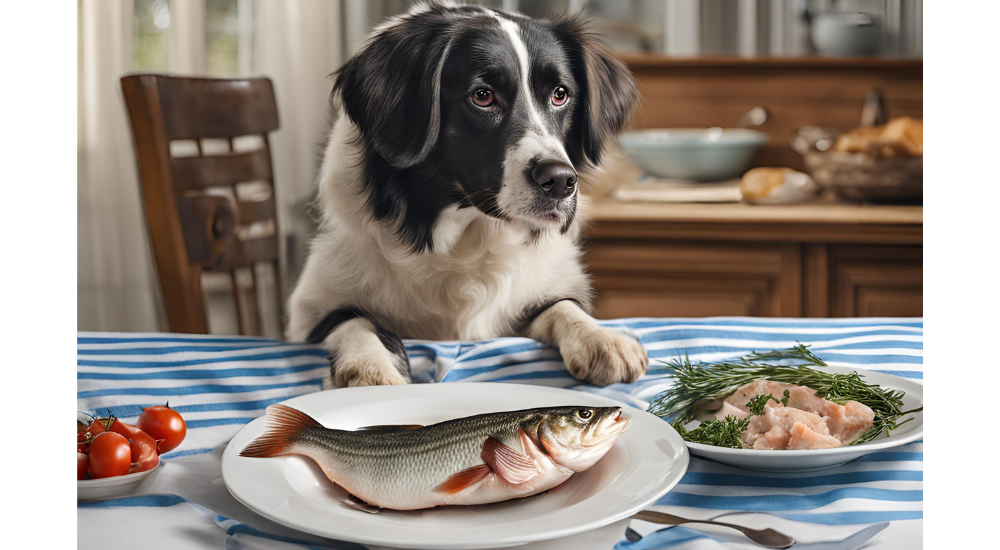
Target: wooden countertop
824	221
602	209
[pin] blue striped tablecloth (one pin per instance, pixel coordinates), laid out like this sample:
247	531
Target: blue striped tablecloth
219	383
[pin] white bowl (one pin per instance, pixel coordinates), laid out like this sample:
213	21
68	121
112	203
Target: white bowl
645	463
112	487
109	487
819	459
697	154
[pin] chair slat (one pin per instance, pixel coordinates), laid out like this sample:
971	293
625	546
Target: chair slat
217	108
257	211
193	173
243	253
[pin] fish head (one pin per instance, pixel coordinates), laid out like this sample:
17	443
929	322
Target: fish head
577	437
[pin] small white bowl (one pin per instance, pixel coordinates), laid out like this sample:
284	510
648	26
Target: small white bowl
109	487
112	487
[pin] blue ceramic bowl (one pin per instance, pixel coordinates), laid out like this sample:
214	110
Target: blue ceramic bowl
710	154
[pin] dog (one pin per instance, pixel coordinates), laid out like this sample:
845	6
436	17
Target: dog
448	194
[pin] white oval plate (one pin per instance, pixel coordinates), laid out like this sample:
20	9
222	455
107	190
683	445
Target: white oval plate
819	459
645	463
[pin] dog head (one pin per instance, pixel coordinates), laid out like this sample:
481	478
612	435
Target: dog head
479	108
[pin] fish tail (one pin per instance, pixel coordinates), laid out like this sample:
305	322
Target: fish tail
284	423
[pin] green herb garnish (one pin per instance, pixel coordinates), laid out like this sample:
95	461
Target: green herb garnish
697	384
726	432
720	433
756	404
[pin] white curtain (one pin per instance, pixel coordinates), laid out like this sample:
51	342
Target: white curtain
186	40
116	282
301	43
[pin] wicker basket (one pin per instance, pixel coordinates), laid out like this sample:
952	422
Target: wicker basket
862	177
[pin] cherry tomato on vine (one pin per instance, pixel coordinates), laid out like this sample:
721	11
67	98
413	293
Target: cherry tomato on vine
163	423
143	446
86	432
110	455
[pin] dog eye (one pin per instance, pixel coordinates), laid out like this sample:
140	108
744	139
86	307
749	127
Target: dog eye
482	97
584	413
559	96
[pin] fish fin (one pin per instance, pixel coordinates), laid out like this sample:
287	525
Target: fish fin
463	479
513	466
354	502
387	427
284	423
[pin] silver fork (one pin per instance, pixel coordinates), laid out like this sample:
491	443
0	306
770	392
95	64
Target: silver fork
768	538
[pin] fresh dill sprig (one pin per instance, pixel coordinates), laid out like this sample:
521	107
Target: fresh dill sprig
719	433
726	432
695	385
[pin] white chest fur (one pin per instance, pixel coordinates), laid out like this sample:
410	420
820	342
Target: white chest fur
476	283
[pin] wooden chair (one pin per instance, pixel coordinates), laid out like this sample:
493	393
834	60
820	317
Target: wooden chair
198	219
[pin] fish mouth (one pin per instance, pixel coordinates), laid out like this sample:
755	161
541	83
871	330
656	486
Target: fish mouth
610	429
619	423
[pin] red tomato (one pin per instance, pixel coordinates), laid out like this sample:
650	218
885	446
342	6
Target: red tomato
163	423
144	465
142	445
86	432
110	456
81	465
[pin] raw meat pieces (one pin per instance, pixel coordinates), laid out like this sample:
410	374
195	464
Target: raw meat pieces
806	421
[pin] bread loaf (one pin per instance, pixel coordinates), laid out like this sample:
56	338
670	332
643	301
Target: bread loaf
776	185
901	137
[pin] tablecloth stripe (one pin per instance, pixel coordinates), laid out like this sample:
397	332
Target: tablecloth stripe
221	383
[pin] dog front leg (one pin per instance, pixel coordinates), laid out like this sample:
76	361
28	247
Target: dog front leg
361	352
592	353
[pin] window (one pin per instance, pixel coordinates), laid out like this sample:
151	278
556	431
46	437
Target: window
150	20
230	37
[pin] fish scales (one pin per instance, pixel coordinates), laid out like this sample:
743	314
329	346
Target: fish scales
428	455
472	460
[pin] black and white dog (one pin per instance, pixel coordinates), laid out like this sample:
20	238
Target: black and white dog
449	193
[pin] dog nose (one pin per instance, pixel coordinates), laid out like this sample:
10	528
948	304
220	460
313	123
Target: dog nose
556	178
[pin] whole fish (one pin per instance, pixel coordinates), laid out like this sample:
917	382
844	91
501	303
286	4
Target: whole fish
473	460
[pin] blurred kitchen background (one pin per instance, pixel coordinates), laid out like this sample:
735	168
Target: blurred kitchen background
837	232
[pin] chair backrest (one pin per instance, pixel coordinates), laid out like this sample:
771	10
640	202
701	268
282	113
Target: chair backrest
200	214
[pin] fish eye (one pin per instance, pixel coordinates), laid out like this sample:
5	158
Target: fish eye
585	413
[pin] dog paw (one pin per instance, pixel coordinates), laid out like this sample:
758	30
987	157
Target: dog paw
362	371
604	356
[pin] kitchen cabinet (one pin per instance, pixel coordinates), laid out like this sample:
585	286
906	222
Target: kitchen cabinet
825	259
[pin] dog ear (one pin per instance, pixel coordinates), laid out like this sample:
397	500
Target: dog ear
391	89
607	95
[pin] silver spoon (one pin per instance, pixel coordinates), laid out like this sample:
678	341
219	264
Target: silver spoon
768	538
